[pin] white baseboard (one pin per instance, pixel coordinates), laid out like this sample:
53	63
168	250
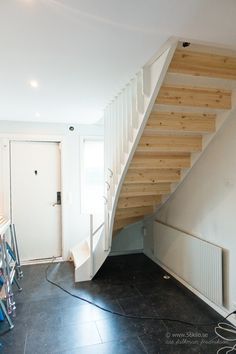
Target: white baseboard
42	261
221	310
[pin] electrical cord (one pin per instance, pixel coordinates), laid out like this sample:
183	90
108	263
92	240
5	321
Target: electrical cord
129	316
226	350
228	328
224	331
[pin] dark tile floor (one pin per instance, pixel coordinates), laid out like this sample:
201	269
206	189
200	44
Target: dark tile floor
49	321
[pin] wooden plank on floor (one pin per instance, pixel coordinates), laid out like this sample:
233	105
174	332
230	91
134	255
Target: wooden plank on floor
152	176
180	122
194	97
203	64
138	201
145	161
133	212
145	189
171	143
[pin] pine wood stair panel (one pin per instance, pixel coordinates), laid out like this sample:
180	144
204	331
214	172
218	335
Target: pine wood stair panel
180	122
156	161
203	64
194	97
152	176
197	88
139	201
120	224
170	143
134	212
145	189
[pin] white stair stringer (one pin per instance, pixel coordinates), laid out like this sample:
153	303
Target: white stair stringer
81	258
88	263
120	126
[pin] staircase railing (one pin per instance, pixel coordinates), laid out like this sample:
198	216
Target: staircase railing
124	121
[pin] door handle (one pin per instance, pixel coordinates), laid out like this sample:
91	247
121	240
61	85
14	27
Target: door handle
58	202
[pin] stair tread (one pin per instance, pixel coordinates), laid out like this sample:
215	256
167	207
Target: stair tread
170	143
138	201
145	187
197	63
181	122
152	176
154	160
194	96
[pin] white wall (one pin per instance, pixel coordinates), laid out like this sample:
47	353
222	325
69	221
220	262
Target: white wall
129	240
73	223
205	203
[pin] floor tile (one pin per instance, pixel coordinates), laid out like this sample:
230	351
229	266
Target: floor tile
88	313
50	321
118	328
137	305
125	346
59	338
12	341
163	345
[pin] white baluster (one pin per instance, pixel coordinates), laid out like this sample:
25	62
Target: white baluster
140	98
116	142
110	147
125	123
146	80
127	120
113	142
129	111
110	164
135	118
121	122
117	137
91	244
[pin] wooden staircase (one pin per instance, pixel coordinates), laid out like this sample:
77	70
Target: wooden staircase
155	129
195	94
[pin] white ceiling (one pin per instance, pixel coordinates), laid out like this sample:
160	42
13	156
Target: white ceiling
82	52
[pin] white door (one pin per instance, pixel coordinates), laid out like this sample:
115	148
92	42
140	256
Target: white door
35	191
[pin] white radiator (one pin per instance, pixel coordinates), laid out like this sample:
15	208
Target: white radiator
197	262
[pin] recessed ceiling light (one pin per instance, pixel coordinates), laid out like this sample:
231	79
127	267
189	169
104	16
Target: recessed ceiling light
34	83
37	114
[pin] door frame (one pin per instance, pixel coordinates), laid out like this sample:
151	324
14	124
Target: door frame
6	165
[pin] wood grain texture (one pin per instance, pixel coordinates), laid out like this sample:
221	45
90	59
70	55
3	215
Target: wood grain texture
161	143
203	64
143	161
138	201
133	212
152	176
194	97
145	189
120	224
180	122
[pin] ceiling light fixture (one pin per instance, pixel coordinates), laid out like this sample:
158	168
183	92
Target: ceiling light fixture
34	83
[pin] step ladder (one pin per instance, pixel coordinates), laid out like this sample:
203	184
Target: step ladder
10	269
